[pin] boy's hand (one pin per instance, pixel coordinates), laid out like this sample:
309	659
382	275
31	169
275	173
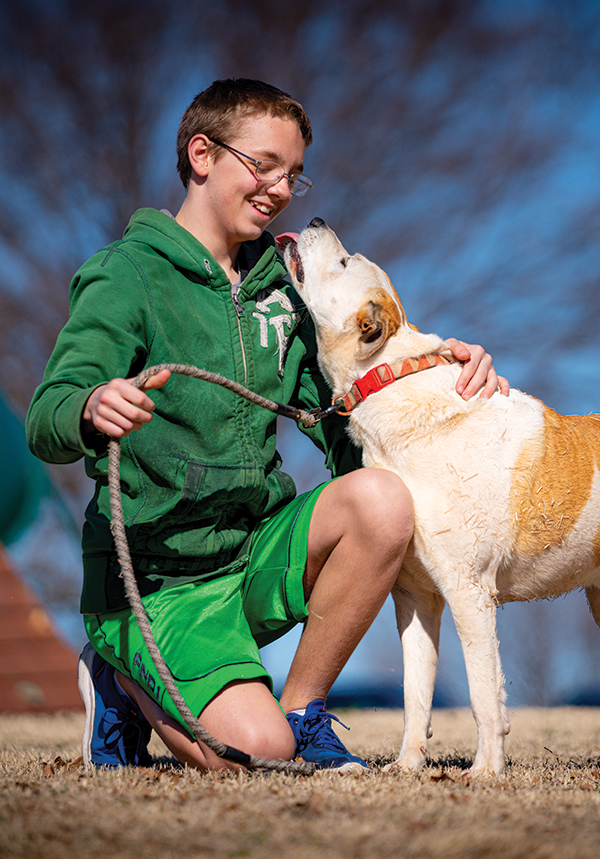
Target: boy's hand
478	373
118	408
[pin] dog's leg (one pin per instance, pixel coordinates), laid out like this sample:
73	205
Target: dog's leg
474	614
419	614
593	597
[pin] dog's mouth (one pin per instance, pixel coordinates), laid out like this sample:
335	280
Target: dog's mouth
296	262
288	242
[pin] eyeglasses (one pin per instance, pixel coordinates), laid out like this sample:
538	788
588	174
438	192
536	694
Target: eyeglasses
270	172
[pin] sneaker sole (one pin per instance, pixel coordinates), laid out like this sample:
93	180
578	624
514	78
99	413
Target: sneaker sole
86	690
350	768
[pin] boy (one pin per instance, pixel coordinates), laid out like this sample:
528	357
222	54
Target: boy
227	559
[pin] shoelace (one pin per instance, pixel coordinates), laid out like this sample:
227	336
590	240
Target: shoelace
124	730
319	724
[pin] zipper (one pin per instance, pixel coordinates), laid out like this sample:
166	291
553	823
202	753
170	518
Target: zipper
239	312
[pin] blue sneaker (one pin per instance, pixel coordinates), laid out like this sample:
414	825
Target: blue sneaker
317	742
116	734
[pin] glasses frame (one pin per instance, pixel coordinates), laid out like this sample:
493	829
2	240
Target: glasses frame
304	185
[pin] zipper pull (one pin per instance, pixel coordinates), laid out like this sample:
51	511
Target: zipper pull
238	306
236	302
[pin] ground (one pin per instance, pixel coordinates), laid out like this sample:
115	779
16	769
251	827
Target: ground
546	805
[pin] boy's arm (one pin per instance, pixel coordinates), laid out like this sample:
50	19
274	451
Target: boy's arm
329	435
105	338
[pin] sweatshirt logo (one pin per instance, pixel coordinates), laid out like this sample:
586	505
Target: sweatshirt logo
269	300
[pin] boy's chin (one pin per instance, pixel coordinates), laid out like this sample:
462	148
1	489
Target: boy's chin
258	230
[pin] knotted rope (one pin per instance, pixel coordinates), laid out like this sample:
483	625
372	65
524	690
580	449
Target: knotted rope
132	590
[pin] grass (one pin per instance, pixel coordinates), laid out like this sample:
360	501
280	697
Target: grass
546	804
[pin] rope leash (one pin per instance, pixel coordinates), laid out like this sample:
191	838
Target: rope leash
131	589
307	419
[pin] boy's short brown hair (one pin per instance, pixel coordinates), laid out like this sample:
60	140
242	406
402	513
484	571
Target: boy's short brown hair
216	111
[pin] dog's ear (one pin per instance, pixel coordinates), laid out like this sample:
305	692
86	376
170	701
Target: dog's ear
378	320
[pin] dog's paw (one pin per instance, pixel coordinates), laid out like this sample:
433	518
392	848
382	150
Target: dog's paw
407	764
481	772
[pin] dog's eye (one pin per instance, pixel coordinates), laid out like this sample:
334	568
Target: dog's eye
344	261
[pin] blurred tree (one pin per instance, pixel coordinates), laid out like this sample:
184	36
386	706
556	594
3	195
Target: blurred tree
83	89
81	94
437	123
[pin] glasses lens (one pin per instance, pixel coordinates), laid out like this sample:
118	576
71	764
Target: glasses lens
269	171
299	185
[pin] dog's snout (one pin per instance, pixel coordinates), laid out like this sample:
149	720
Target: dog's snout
317	222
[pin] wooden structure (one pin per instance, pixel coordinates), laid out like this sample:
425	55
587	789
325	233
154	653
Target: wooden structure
38	671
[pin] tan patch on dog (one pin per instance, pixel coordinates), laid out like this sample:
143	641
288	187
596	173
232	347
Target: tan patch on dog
379	304
402	310
596	549
379	318
553	482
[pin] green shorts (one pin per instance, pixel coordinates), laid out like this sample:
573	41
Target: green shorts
209	631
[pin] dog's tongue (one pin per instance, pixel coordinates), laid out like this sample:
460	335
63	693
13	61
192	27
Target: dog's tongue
284	239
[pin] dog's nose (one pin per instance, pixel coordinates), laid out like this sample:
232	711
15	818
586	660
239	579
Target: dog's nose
317	222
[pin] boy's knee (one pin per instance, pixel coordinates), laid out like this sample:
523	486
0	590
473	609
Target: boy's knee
269	741
384	505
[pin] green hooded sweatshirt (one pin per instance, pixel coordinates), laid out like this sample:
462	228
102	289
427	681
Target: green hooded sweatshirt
199	477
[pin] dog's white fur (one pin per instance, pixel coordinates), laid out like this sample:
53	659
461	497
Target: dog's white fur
506	491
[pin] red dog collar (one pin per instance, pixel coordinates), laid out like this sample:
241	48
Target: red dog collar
383	375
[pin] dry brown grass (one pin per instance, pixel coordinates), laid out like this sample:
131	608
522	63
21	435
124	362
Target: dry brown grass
547	804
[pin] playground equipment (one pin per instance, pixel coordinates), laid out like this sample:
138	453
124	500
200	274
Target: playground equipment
38	670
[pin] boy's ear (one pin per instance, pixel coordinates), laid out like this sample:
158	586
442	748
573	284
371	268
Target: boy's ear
199	155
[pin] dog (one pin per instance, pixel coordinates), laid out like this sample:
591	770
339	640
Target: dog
506	491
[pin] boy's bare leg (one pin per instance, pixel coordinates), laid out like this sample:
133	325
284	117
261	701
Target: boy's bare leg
359	531
243	715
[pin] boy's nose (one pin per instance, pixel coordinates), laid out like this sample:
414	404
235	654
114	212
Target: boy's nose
281	188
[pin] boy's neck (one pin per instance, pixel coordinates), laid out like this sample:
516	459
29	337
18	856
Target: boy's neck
189	218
